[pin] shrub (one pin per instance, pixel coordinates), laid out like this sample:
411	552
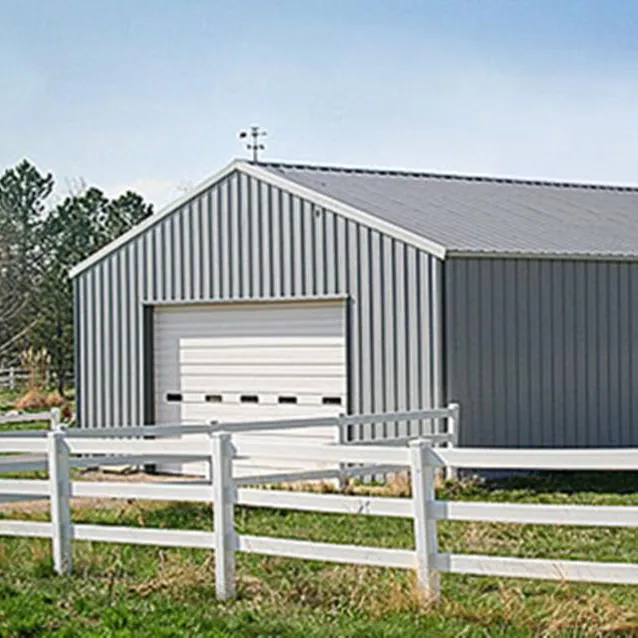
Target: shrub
54	400
32	400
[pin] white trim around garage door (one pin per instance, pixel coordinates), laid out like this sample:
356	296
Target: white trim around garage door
251	361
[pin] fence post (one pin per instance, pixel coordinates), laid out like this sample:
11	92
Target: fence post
59	481
451	473
341	439
12	378
223	505
425	532
55	419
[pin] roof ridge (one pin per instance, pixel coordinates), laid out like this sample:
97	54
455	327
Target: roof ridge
521	181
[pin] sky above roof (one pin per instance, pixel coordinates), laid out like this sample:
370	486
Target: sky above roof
151	94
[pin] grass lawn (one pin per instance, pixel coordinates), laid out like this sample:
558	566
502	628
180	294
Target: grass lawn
143	591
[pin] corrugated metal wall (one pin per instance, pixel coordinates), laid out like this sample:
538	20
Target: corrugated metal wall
543	352
245	239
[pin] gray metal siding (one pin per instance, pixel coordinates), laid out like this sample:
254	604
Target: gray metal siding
543	353
245	239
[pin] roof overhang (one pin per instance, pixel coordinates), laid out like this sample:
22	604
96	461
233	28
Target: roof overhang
539	256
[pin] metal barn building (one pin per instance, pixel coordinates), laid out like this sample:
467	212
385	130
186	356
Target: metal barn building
275	290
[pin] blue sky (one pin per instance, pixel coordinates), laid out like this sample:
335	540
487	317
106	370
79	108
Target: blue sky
150	94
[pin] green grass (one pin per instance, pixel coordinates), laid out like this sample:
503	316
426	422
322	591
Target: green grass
144	591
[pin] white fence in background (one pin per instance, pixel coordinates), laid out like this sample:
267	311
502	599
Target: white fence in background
12	378
224	491
20	462
52	416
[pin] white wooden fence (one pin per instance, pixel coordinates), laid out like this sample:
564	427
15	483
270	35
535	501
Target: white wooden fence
52	415
224	492
12	378
20	463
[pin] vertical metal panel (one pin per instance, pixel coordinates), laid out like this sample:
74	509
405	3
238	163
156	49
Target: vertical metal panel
388	350
287	245
244	238
245	231
102	344
412	321
319	244
262	261
225	240
238	264
297	256
541	352
430	334
165	262
437	333
309	231
366	339
275	242
624	353
355	327
206	246
214	241
377	319
400	334
79	344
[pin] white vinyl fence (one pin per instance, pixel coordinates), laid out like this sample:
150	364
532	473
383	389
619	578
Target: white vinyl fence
224	492
12	378
52	415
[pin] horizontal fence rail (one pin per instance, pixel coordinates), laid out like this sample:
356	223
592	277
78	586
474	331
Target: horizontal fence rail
29	417
561	570
224	492
606	459
334	503
533	514
311	550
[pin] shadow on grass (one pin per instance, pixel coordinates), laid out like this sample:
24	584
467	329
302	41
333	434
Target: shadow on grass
567	482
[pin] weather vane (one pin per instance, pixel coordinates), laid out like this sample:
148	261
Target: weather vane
255	146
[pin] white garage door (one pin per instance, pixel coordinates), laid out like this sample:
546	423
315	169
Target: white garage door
221	363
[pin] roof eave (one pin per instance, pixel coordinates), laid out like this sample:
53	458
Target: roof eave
548	255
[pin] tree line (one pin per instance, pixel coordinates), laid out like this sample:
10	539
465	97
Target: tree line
39	242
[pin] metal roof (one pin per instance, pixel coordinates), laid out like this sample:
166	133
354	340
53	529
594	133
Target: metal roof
485	215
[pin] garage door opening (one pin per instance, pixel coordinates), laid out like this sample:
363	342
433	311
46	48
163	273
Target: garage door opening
217	363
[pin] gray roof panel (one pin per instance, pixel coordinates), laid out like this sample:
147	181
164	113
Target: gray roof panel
486	215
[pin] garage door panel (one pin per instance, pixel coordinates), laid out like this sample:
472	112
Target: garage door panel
310	403
274	370
283	385
235	325
201	340
260	354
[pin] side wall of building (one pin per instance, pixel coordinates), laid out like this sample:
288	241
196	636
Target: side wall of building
543	352
245	239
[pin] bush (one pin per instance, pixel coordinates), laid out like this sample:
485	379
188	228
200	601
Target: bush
54	400
32	400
